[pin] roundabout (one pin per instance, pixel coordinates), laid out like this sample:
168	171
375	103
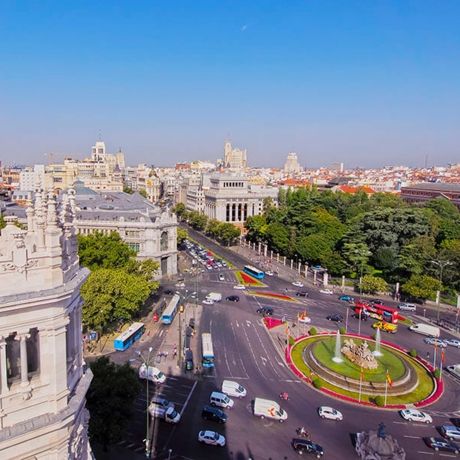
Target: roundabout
363	371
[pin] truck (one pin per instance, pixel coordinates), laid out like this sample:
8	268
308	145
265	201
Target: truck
270	409
168	414
425	329
214	296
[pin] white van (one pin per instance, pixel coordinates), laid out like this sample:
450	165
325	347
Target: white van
214	296
425	329
233	389
269	409
151	373
220	400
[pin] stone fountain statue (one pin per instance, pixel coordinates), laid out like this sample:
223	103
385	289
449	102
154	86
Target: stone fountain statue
378	445
359	354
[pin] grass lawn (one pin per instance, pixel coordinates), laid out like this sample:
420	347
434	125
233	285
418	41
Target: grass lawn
324	352
423	390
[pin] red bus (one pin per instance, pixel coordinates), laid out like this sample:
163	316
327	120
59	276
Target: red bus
381	312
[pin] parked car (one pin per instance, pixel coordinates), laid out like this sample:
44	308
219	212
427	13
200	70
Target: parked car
181	284
377	302
453	342
407	307
414	415
169	292
326	291
441	444
265	311
242	287
208	302
297	283
450	432
211	437
435	341
302	293
269	273
329	413
214	414
304	446
233	298
347	298
336	318
221	277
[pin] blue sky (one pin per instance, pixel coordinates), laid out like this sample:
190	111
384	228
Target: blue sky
364	82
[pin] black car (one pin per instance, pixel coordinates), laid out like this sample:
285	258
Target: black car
301	293
442	444
455	421
376	302
336	318
188	360
303	446
168	292
214	414
364	316
233	298
265	311
191	323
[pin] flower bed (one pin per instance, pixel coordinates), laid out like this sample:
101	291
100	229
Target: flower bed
247	280
272	295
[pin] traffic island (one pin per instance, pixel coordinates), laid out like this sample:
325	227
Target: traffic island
383	374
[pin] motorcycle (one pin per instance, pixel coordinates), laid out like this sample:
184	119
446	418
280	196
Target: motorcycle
284	396
302	433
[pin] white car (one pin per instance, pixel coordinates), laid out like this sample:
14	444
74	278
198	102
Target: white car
435	341
453	342
239	286
414	415
212	438
407	307
304	319
269	273
180	284
326	291
221	277
329	413
297	284
208	302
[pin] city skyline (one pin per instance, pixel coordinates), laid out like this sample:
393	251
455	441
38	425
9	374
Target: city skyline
366	85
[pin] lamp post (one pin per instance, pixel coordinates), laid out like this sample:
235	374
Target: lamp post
147	362
441	264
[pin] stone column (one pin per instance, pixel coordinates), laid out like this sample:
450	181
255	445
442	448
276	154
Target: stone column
278	257
265	250
325	279
299	268
306	271
292	263
259	249
314	276
3	371
271	254
23	351
284	260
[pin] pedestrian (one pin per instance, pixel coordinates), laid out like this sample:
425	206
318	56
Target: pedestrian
427	355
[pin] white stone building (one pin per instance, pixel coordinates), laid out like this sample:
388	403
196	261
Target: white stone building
234	159
43	379
292	166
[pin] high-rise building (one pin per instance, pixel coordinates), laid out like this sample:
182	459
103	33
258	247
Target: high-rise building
43	379
292	165
234	159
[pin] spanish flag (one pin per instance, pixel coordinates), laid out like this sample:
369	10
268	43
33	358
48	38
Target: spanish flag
443	356
390	382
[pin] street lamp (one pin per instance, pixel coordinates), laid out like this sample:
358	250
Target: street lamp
441	264
147	362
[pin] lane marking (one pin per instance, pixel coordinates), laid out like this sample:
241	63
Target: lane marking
238	351
411	437
426	453
188	398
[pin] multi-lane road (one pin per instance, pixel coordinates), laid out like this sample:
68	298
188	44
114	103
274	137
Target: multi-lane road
245	353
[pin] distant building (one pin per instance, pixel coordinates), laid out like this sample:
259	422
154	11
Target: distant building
419	193
292	165
43	378
234	159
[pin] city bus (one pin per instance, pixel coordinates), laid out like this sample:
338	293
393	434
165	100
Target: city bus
254	272
128	337
207	351
381	312
171	310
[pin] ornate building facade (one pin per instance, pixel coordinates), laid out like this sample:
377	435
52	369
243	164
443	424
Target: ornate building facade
43	378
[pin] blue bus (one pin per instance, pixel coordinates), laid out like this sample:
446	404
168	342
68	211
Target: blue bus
208	352
127	338
254	272
171	310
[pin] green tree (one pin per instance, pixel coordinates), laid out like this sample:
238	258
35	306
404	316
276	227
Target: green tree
373	284
450	251
421	287
228	233
278	237
128	190
356	256
143	192
110	400
256	227
111	296
181	235
179	209
104	251
212	228
2	222
147	269
197	220
314	248
415	255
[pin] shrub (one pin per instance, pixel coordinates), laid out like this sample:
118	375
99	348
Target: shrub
317	383
313	331
413	353
437	373
379	401
342	330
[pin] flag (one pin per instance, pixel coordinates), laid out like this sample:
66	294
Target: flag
390	382
443	356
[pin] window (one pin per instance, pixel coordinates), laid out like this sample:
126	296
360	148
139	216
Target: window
134	246
33	351
13	358
164	241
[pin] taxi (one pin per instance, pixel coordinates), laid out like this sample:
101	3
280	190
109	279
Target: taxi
387	327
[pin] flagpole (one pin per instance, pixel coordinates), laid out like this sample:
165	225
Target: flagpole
386	389
443	357
360	382
434	356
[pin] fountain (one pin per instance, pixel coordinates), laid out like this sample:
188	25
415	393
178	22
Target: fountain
377	351
338	354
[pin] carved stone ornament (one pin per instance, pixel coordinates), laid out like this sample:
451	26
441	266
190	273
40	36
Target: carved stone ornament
11	267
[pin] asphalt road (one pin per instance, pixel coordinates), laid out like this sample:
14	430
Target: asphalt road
245	353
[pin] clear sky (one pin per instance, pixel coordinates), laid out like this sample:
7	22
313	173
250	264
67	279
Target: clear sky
364	82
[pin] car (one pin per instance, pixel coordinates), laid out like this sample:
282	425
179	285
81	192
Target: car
453	342
329	413
208	302
387	327
303	318
414	415
191	323
302	293
347	298
265	311
304	446
221	277
224	264
241	287
297	283
317	267
336	318
455	421
269	273
407	307
233	298
211	437
376	302
214	414
450	432
209	267
181	284
169	292
435	341
326	291
441	444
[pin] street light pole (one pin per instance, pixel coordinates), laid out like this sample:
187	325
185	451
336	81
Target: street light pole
441	264
147	363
